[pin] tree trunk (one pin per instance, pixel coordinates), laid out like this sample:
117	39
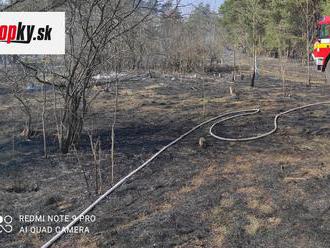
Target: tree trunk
43	121
59	126
307	46
253	78
113	133
234	71
73	120
254	67
28	122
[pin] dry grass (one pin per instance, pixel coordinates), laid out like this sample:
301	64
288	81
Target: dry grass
140	218
87	242
34	240
197	181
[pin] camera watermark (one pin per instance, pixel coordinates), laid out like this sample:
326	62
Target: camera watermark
44	224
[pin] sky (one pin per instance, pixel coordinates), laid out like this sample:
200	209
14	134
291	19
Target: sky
213	3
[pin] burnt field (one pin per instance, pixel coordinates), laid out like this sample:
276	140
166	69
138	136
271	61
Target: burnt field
272	192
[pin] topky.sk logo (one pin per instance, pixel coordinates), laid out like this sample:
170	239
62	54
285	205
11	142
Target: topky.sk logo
21	33
32	33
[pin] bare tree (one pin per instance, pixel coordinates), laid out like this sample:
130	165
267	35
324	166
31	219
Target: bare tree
17	78
97	156
310	9
91	27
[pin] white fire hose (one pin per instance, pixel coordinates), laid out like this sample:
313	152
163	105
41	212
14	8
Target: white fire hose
231	115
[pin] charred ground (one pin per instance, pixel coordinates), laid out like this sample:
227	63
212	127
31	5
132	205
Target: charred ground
273	192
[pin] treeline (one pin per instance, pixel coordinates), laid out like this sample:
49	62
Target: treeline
273	27
106	38
170	40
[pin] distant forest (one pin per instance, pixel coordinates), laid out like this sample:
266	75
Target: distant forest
273	27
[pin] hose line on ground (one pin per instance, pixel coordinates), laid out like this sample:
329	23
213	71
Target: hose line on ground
256	111
231	115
